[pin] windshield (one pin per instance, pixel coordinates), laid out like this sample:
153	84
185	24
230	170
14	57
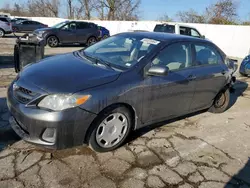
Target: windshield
120	51
59	25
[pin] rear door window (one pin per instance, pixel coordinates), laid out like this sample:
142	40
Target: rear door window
164	28
4	20
185	31
206	55
82	25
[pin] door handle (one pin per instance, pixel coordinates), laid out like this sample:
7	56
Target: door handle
191	77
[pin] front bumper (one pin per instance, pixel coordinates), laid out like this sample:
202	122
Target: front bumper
30	123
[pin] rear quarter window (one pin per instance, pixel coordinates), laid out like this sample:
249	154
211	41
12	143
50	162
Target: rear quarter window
164	28
4	20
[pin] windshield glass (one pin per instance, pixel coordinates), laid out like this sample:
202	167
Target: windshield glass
120	51
59	25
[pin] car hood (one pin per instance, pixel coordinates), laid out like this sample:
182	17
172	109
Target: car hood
45	29
67	73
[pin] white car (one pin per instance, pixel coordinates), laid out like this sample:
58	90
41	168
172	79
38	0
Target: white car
5	26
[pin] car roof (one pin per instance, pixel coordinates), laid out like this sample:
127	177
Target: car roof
162	36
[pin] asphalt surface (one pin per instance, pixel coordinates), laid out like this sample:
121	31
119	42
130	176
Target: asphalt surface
203	150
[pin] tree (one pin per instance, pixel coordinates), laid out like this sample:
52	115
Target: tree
118	9
190	16
44	8
222	12
70	9
165	18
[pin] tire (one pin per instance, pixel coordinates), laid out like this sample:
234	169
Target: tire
104	37
91	41
221	102
2	33
52	41
96	136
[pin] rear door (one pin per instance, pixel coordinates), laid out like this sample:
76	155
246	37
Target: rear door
209	73
25	26
85	30
67	33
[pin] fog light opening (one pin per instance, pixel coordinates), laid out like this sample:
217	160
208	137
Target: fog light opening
49	135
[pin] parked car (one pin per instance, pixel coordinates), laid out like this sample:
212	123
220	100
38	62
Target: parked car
245	66
70	32
18	19
5	26
100	94
27	26
178	29
104	32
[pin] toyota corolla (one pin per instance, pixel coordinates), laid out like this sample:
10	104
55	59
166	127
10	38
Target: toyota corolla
98	96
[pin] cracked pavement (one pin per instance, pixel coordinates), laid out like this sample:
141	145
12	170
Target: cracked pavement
201	151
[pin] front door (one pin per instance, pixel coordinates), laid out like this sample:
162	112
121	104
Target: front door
169	96
67	33
209	72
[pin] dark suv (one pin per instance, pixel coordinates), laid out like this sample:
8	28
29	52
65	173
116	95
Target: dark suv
69	32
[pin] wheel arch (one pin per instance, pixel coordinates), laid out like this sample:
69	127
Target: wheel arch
52	35
111	106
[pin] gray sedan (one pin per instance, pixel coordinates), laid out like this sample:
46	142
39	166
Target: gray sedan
27	26
99	95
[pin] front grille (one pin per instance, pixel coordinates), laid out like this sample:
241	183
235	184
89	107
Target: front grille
23	95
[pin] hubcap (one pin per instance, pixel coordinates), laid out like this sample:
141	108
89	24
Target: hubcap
92	41
220	101
52	41
112	130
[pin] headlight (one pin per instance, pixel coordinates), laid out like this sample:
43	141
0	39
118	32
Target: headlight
40	33
59	102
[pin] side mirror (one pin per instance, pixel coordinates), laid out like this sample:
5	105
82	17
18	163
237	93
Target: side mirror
203	36
158	71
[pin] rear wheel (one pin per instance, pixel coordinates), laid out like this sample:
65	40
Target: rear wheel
2	33
221	102
52	41
110	129
91	41
105	36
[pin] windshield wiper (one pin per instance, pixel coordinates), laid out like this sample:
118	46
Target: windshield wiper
98	60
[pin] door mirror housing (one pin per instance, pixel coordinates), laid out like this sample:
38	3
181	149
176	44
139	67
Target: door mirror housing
203	36
158	71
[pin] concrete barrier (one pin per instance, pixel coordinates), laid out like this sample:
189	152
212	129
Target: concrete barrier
234	40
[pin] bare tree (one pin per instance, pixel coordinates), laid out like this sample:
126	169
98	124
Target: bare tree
222	12
165	18
118	9
190	16
87	7
45	8
70	9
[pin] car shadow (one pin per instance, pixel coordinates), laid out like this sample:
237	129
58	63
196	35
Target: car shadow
6	60
71	45
240	87
242	177
7	135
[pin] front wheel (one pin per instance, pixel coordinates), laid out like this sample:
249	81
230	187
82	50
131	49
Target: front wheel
221	102
52	41
110	129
